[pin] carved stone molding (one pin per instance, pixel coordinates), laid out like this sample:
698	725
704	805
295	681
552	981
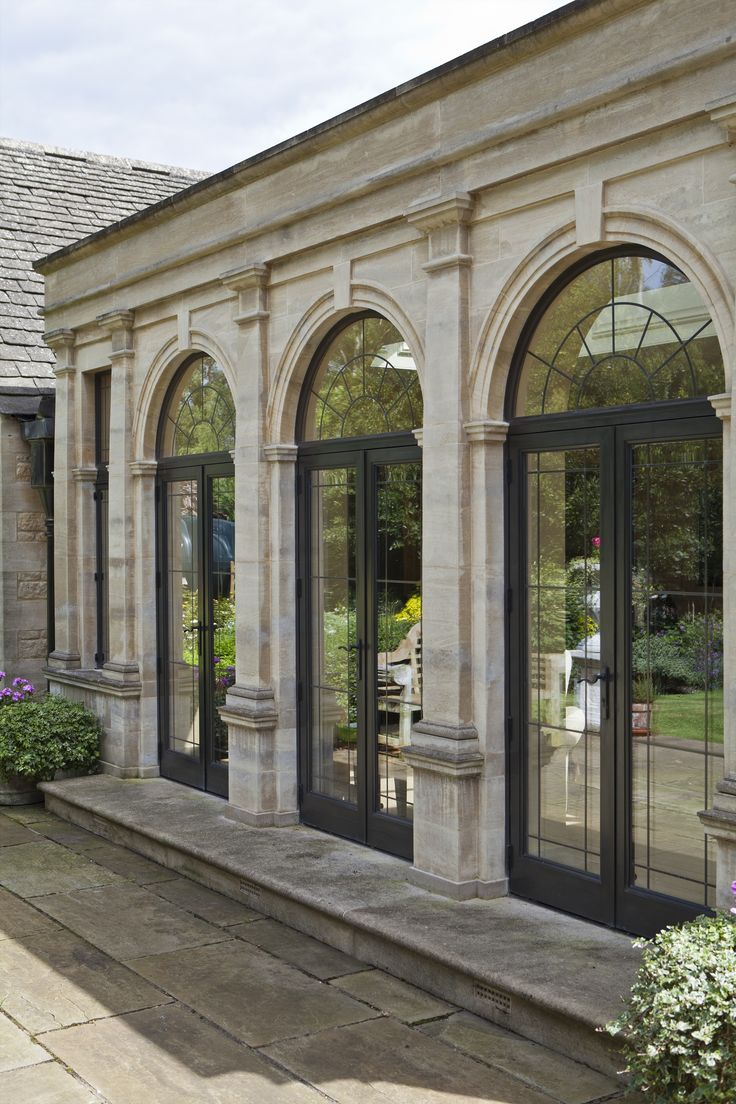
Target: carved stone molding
281	454
143	467
486	430
722	406
251	284
61	343
84	475
444	222
723	112
119	325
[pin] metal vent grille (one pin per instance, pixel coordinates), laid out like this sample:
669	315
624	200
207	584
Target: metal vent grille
495	997
251	888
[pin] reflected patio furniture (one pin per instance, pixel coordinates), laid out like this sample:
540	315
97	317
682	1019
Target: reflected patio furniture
399	681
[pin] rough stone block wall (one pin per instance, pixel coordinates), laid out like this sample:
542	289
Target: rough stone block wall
22	561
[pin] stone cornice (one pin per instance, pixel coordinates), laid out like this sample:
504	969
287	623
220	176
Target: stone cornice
251	284
486	430
281	454
722	406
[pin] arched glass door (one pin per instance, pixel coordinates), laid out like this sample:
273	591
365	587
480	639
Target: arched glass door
360	585
616	635
196	581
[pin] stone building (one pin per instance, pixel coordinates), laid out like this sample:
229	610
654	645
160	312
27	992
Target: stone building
413	441
48	198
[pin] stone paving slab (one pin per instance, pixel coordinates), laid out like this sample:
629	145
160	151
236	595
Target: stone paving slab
16	1049
37	869
18	918
171	1056
249	993
205	903
143	923
393	997
27	814
386	1062
56	980
127	864
301	950
566	1080
44	1084
12	832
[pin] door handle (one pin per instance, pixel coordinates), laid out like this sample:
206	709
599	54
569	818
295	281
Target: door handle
356	647
604	676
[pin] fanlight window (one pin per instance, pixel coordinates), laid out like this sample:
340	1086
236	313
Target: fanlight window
366	383
629	329
200	415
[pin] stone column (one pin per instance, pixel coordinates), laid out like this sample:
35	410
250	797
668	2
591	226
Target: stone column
66	653
488	439
445	753
122	665
720	820
143	479
250	709
84	478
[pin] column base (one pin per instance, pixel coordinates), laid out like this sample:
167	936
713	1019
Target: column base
262	775
720	822
458	891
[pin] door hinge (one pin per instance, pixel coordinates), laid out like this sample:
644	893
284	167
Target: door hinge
96	577
96	496
509	855
509	599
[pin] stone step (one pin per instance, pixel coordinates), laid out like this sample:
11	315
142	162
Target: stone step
546	976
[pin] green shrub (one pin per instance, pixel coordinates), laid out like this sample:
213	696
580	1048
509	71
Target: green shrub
679	1028
39	738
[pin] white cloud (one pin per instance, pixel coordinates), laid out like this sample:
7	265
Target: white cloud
206	85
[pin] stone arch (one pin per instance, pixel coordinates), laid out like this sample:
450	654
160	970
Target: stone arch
300	348
501	331
164	366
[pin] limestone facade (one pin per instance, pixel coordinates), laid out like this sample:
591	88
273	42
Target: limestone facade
448	206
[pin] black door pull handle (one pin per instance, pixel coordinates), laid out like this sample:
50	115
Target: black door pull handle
604	676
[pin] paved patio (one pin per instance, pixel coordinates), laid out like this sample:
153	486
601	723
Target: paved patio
122	981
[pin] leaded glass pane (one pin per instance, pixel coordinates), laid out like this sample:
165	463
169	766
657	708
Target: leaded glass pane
629	329
200	417
366	383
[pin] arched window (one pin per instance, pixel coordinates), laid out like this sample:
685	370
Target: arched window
200	412
628	329
365	383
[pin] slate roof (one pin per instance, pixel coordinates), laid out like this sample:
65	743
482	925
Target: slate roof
49	198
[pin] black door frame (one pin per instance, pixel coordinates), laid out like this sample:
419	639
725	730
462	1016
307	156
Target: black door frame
362	823
203	773
612	899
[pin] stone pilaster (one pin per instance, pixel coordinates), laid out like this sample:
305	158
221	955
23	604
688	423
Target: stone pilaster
122	663
719	820
143	480
445	753
250	710
84	477
66	653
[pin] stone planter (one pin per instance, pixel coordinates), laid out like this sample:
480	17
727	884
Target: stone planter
19	791
641	718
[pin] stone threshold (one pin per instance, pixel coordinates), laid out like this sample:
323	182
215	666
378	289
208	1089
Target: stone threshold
544	975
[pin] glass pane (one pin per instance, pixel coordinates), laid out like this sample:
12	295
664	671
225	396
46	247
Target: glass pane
626	330
200	416
182	593
367	383
399	623
563	656
677	663
333	662
222	613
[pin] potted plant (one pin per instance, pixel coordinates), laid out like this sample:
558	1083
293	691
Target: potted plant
41	737
641	706
679	1029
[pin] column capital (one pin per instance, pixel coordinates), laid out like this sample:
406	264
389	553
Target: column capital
143	467
119	325
723	112
486	430
444	222
281	454
84	475
251	284
61	343
722	406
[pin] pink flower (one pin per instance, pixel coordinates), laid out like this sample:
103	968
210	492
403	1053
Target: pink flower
596	542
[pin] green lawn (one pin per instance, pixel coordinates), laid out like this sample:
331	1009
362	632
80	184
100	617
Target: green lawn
682	716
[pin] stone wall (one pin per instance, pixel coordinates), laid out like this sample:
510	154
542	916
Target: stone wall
22	561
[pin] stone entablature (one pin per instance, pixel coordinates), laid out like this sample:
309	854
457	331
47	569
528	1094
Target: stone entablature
450	210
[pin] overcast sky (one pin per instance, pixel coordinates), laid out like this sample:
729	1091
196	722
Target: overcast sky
206	83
